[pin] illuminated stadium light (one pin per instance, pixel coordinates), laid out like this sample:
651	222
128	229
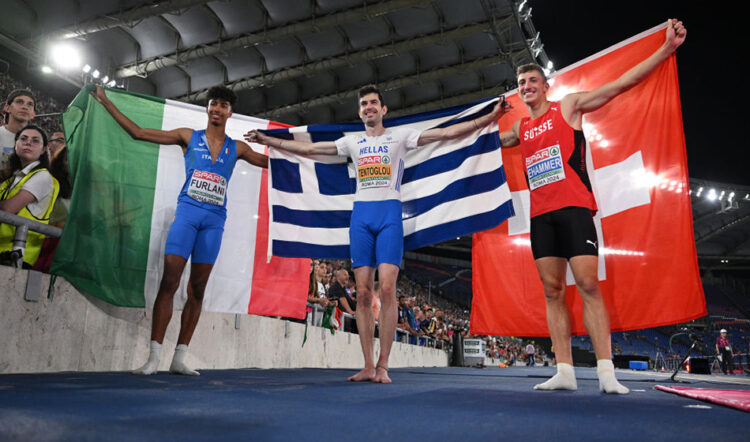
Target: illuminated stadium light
105	79
46	69
86	68
731	197
747	196
95	74
690	192
65	56
550	65
711	195
112	83
721	195
520	7
546	72
700	190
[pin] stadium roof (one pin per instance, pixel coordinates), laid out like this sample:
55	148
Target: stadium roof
294	61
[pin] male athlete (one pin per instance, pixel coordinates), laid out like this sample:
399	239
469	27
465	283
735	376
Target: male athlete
376	233
210	156
562	228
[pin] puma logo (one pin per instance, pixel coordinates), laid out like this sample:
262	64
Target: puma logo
593	243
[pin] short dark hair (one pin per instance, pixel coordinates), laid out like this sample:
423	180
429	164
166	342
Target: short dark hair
222	93
531	67
370	89
20	93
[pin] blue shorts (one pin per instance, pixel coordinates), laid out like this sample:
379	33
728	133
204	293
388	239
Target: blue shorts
197	232
376	233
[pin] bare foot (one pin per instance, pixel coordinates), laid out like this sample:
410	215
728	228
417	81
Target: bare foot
381	375
366	374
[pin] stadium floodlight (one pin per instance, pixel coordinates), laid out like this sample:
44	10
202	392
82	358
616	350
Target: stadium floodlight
700	190
46	69
731	197
86	68
520	7
95	74
112	83
65	56
105	79
721	195
711	195
550	65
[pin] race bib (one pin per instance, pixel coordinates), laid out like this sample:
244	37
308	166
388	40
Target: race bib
545	166
374	171
207	187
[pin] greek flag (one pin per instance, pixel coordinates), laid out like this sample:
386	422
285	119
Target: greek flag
449	189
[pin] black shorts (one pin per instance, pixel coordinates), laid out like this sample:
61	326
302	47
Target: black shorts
564	233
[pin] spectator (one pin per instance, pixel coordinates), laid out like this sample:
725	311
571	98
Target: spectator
724	352
59	170
376	300
56	145
337	293
406	317
30	191
429	324
19	110
530	354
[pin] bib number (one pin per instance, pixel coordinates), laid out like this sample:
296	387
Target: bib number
374	171
545	166
207	187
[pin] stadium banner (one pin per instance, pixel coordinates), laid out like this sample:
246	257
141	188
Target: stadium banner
449	189
124	200
648	267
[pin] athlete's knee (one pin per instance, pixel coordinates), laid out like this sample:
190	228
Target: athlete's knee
169	283
588	285
364	295
554	289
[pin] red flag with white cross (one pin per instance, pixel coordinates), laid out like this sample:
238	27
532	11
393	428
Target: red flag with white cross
648	268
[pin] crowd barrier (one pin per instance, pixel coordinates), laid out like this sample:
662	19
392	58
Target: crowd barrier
23	225
65	330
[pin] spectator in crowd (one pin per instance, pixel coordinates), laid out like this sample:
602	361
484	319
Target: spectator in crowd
59	170
530	354
724	352
19	110
337	293
406	317
29	191
316	291
429	324
56	145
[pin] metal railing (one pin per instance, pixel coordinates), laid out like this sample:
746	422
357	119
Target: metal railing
348	322
23	225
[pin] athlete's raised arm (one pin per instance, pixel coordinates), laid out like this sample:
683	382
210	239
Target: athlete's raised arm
294	146
247	153
573	106
460	129
180	137
510	138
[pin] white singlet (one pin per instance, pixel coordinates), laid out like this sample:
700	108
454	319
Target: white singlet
379	161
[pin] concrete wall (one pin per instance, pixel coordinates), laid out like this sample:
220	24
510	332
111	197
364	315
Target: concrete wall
76	332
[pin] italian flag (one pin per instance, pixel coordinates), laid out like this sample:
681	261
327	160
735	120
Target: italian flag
124	200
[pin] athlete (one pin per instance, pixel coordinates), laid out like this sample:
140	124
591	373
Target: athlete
210	156
376	233
562	204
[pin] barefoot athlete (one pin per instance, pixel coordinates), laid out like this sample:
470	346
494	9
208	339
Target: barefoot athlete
210	156
562	204
376	233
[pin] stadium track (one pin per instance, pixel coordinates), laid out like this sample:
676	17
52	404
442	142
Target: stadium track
317	404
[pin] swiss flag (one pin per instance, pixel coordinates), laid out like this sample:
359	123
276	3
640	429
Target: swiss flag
648	267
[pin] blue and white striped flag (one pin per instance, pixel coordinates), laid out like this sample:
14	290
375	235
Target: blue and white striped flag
449	189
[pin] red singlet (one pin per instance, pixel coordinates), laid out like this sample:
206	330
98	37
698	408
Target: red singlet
554	155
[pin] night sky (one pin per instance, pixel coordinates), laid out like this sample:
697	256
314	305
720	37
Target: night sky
712	85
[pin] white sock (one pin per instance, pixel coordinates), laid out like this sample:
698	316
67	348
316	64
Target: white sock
607	380
154	356
565	379
178	362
